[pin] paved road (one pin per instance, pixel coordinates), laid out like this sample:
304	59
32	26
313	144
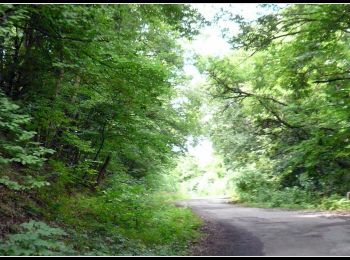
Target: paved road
242	231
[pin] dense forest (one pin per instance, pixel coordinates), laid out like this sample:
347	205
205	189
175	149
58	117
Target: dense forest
93	139
88	128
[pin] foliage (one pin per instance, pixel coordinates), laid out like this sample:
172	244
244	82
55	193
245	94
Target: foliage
29	183
96	84
17	146
36	238
281	101
128	218
194	178
92	102
335	202
15	142
261	189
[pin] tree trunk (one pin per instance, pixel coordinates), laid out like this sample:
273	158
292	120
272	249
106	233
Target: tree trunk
102	173
59	82
2	60
102	141
13	71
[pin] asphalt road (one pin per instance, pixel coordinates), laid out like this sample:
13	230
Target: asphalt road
234	230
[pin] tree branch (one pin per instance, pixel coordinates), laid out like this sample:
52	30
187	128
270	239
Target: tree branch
330	80
240	94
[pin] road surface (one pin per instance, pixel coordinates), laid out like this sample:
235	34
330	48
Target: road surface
234	230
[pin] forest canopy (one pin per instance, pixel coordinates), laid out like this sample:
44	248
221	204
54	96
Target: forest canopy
282	101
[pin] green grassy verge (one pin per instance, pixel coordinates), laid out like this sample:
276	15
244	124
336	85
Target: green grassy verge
287	199
128	217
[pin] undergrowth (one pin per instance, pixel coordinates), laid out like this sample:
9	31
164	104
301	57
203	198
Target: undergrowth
128	217
263	190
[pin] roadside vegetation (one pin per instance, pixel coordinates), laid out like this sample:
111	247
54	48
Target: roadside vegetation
88	128
96	112
280	107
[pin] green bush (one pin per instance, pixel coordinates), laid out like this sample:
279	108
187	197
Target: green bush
293	197
252	185
36	239
335	202
261	188
127	218
16	143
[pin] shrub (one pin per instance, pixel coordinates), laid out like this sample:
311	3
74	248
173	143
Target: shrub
127	218
36	239
335	202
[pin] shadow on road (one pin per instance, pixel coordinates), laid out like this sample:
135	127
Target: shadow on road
225	240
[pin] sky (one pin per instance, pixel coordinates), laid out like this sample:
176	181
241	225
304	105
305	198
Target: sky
210	43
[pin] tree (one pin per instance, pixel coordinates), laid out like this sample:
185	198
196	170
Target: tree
98	81
286	95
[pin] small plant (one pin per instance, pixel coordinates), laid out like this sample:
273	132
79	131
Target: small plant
36	239
335	202
29	183
16	144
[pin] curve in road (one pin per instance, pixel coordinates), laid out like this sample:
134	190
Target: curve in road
234	230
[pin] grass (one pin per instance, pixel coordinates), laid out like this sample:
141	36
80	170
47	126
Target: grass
158	228
127	217
99	227
292	200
